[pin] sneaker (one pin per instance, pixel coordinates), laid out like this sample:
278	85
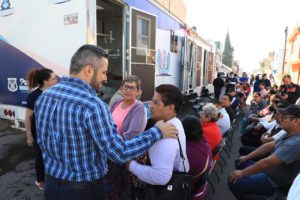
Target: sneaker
40	184
36	183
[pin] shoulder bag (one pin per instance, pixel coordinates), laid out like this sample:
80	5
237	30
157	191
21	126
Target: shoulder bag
178	188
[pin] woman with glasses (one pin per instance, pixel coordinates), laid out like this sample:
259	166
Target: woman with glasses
39	80
129	115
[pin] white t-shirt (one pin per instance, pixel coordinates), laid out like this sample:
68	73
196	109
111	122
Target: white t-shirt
224	123
164	157
268	125
266	118
294	193
279	135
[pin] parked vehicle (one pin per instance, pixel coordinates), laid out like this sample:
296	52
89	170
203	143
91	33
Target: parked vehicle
141	38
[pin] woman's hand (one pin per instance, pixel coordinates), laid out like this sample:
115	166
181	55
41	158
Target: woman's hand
30	140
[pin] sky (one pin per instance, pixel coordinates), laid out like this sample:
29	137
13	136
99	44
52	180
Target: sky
255	27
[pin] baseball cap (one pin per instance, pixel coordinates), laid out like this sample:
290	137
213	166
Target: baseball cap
292	110
283	104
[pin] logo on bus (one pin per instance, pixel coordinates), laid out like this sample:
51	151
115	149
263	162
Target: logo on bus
12	84
163	61
6	9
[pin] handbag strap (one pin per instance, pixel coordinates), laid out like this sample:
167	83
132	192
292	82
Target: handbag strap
206	165
204	174
181	155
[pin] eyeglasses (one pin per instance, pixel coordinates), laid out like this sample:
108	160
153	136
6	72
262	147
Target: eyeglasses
156	102
54	79
130	88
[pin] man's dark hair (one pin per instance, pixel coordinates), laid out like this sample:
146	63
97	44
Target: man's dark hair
86	55
170	94
264	75
272	91
216	102
229	96
192	128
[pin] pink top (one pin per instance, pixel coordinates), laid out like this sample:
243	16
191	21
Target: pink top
119	115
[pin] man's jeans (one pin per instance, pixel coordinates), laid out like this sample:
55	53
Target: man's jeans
257	184
57	189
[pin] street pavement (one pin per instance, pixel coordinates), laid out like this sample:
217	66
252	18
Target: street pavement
17	175
222	191
18	184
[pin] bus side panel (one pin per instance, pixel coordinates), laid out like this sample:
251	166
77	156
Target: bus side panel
38	34
168	61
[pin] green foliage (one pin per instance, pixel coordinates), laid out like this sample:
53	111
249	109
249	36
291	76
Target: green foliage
228	52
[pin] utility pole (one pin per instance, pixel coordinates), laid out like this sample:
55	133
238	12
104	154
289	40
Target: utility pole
284	51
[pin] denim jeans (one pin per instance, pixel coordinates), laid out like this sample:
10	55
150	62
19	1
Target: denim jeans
57	189
257	184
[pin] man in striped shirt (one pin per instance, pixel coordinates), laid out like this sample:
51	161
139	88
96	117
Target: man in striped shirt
76	132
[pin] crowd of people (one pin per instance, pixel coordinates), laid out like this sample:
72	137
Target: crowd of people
269	158
86	149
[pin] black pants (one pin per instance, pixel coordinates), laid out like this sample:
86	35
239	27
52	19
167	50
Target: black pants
138	193
217	93
39	164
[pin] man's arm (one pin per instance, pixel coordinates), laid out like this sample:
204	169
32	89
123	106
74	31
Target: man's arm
162	162
266	163
105	135
265	138
28	116
260	151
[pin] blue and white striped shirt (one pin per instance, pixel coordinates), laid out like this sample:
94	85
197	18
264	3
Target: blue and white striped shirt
76	133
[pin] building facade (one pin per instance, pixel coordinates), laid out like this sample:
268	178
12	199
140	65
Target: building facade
294	57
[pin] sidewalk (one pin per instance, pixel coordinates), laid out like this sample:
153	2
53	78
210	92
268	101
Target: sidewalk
222	191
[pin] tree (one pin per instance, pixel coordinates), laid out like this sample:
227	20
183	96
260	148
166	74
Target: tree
228	52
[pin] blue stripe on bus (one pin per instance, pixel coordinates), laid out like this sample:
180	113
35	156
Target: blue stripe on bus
14	67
